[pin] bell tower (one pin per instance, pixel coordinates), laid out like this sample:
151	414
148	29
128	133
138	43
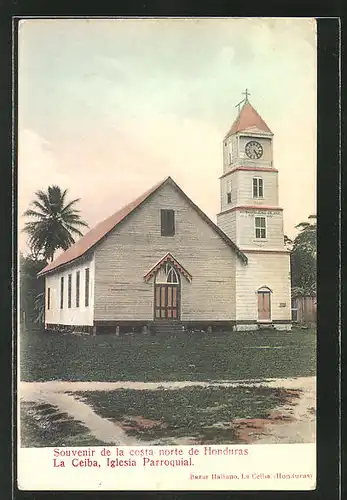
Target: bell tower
249	210
252	218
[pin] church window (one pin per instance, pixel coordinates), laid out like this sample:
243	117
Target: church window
61	292
258	187
77	289
48	298
171	275
69	282
260	227
167	218
86	290
228	191
167	274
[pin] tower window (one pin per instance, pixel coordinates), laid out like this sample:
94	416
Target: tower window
48	298
167	220
260	227
258	187
228	191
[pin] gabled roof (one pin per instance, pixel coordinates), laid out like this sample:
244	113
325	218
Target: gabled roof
167	258
248	118
100	231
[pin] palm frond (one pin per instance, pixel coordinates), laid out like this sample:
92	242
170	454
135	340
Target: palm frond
69	205
41	207
32	213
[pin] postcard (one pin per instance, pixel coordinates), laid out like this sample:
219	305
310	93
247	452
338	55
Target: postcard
167	254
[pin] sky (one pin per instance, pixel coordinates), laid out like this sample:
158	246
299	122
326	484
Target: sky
109	107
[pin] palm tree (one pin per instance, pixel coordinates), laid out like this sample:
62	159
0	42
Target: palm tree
56	223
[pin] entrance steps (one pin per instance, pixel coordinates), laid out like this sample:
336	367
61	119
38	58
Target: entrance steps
166	327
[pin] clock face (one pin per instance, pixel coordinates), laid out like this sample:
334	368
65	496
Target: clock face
254	150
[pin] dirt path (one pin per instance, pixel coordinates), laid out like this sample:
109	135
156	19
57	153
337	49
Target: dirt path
64	386
297	422
293	422
101	428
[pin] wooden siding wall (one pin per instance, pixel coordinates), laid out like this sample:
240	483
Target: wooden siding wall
306	309
242	189
239	226
227	223
263	269
81	315
125	256
245	232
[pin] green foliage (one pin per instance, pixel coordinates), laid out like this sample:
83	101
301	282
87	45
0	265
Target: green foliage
31	288
304	258
55	222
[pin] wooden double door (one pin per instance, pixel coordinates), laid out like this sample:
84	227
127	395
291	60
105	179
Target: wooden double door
167	301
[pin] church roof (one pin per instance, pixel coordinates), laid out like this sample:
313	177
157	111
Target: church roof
100	231
248	118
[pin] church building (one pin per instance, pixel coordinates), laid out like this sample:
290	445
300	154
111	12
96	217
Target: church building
160	264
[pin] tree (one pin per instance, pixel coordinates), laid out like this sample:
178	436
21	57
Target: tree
304	258
31	291
55	225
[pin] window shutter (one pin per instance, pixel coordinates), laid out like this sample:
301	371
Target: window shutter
260	193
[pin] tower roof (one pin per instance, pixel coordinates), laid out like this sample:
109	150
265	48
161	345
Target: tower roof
248	118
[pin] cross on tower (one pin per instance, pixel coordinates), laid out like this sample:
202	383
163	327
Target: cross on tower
246	93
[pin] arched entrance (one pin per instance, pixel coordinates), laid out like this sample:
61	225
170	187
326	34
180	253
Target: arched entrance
167	293
264	304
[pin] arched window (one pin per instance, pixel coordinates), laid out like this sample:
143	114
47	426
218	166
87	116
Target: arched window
167	274
172	276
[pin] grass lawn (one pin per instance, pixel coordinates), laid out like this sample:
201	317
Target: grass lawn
199	356
204	414
43	425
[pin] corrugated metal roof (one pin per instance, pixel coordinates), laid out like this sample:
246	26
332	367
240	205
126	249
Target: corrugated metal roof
95	235
248	118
